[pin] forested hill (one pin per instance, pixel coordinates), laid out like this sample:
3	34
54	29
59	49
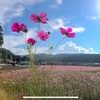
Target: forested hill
7	54
84	58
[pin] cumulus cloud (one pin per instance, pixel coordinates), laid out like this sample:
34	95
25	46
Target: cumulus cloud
55	24
56	4
32	32
70	47
23	51
79	29
19	51
94	17
41	50
14	8
14	43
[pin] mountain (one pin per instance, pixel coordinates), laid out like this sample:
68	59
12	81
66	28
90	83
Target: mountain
79	58
82	58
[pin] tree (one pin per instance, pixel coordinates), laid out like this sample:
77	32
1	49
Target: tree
1	40
1	36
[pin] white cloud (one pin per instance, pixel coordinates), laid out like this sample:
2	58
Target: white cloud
55	24
19	51
14	8
11	41
59	2
23	51
42	50
79	29
56	4
70	47
32	32
94	17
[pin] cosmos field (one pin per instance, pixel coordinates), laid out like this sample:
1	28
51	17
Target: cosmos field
81	81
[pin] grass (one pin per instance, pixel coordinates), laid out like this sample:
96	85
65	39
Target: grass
56	81
4	95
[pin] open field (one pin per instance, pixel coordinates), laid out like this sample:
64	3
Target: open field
79	81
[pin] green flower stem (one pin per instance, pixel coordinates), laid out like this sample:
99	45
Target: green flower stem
32	59
49	45
24	36
31	55
56	46
36	45
37	37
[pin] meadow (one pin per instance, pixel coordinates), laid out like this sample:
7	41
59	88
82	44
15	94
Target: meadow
81	81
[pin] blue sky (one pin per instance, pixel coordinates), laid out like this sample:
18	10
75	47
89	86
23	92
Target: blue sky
82	15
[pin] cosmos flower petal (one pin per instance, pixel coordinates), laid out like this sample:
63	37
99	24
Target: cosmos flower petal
37	19
16	27
43	14
22	27
63	31
69	29
71	35
68	32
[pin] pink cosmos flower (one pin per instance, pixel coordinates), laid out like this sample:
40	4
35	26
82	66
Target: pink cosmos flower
68	32
16	27
21	97
41	18
43	35
31	41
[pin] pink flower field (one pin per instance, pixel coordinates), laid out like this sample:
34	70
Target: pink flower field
79	81
25	73
74	68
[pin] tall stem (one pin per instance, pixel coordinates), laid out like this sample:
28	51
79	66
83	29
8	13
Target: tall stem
36	45
56	46
37	37
49	45
29	48
24	36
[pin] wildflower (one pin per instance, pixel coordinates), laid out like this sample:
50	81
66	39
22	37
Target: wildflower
42	18
43	35
16	27
21	97
68	32
31	41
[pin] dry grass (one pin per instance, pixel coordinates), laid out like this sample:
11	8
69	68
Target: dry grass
4	95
